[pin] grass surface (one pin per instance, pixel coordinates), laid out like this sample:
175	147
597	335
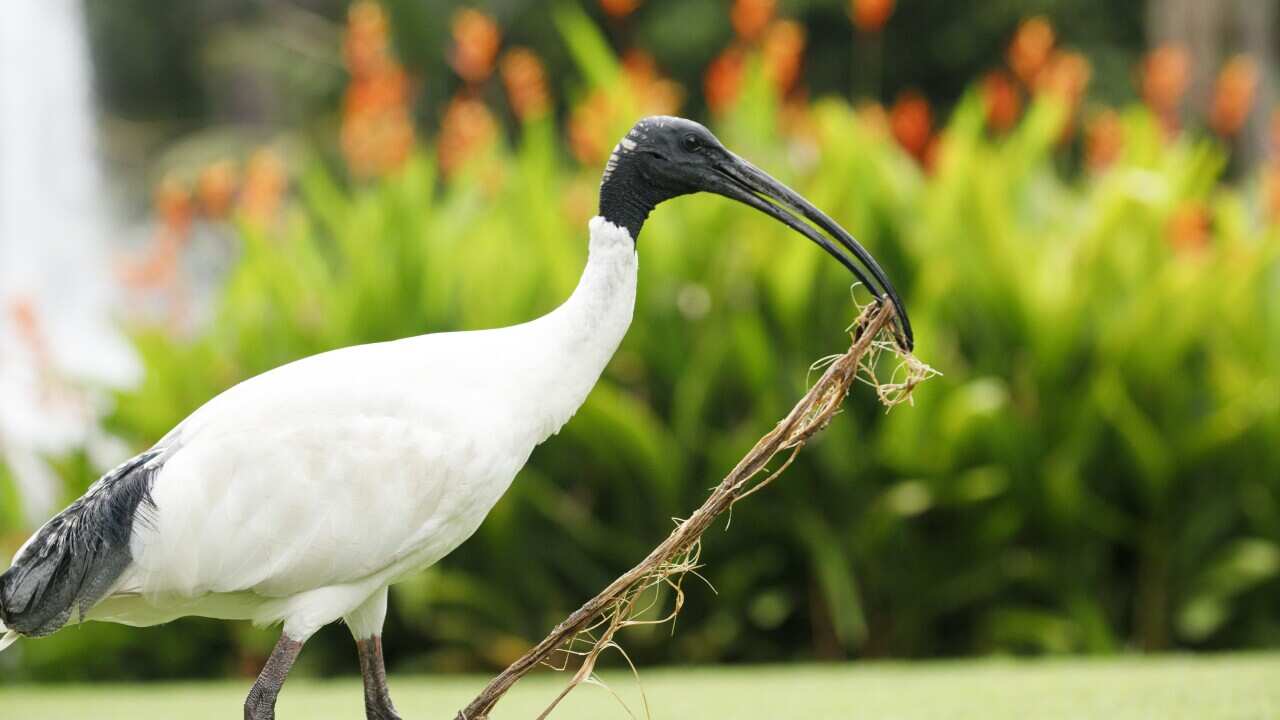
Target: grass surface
1168	688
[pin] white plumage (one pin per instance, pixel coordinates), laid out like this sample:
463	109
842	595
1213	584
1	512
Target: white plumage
301	494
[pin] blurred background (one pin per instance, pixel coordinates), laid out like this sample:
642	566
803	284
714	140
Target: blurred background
1079	199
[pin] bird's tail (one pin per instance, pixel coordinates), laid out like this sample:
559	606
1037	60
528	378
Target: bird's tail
71	562
7	637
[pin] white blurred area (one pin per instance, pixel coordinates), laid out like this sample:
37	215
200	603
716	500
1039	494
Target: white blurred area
60	349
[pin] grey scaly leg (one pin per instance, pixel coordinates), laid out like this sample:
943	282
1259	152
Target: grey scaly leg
261	703
377	701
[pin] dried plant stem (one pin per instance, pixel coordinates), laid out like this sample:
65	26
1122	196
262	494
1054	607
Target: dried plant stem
610	608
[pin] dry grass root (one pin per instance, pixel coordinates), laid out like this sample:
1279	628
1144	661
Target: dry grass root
590	630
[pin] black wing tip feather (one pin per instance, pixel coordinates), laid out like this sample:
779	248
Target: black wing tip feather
73	560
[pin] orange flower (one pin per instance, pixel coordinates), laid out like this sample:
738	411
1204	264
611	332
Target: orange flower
1104	139
386	90
912	123
619	8
173	204
158	265
795	118
592	122
723	81
475	45
1066	75
1165	74
1003	102
1188	228
932	152
376	135
1271	192
26	319
216	188
751	17
1273	134
874	117
783	50
656	94
467	129
526	82
265	180
578	200
365	44
588	123
1030	49
871	15
1233	95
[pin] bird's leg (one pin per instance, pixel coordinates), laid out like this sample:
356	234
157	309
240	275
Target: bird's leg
261	703
377	701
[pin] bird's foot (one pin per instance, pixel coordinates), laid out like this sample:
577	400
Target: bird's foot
377	700
260	705
381	711
261	702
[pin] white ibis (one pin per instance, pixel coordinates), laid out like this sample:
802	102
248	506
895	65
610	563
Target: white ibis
300	495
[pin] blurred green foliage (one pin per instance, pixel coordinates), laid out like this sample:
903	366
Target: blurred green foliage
1096	470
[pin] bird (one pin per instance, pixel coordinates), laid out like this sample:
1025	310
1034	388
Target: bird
298	496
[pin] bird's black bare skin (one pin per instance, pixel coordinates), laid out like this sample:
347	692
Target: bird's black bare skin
666	157
644	169
75	558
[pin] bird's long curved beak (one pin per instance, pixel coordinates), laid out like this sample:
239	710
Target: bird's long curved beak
748	184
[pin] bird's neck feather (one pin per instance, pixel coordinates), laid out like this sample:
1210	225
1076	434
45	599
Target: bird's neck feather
585	331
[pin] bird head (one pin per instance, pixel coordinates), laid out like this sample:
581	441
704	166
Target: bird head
666	157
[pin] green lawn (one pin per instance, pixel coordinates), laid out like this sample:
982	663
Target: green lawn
1167	688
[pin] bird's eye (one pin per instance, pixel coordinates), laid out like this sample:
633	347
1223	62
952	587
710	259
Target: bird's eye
691	143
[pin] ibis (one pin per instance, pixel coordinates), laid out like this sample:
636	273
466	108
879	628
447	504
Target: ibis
299	496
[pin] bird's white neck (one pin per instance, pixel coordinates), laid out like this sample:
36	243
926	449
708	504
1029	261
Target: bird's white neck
581	335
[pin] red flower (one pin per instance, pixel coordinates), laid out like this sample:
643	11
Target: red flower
871	15
911	120
619	8
751	17
1001	97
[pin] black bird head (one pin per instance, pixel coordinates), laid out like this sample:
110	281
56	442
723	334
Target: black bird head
665	157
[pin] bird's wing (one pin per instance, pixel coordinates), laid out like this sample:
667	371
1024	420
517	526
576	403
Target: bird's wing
323	472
